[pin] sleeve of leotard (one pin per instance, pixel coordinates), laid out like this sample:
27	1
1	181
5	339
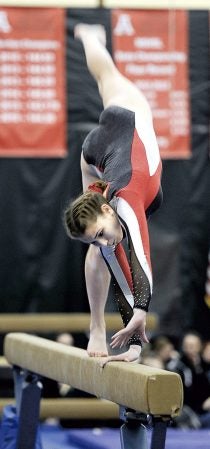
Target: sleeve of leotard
141	285
135	223
125	308
126	312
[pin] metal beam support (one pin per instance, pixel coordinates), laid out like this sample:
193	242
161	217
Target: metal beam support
28	389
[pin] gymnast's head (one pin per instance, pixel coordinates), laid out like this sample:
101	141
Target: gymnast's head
90	218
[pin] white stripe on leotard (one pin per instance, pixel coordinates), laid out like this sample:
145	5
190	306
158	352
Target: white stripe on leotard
146	133
125	211
109	255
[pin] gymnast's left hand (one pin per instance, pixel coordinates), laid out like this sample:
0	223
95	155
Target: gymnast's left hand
137	325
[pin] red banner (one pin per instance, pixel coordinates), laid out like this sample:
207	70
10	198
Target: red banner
32	82
151	49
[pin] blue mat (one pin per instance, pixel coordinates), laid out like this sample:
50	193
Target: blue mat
56	438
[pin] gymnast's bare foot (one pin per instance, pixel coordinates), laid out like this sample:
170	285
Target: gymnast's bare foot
81	31
132	355
97	344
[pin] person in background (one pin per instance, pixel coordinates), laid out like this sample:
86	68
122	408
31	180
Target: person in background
164	349
196	384
150	358
206	358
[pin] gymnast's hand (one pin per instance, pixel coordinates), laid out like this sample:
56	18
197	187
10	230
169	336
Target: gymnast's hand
132	355
136	325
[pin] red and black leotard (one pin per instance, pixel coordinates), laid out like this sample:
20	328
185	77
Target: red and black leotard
124	148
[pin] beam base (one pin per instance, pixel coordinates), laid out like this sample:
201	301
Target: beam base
133	432
28	394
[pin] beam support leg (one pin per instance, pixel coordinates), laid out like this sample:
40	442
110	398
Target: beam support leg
133	433
159	433
28	393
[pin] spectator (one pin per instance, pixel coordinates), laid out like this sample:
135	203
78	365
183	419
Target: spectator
196	385
164	349
206	358
149	358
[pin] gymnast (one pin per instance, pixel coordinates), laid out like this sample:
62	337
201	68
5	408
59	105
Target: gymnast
121	171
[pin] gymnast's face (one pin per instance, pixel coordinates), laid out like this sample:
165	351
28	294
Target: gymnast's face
106	230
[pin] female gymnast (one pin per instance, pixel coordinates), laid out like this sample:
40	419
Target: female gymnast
121	170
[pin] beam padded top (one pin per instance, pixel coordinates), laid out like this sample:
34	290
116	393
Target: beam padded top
140	387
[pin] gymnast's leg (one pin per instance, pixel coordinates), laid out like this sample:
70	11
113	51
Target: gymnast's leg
113	87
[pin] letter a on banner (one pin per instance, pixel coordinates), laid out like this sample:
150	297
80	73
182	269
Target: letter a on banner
124	26
4	23
32	82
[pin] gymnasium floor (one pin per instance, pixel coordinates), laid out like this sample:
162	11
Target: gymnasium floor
54	437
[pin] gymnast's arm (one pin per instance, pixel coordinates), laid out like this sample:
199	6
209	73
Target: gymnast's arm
97	285
142	278
134	329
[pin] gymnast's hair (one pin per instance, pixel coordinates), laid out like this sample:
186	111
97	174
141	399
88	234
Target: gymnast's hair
84	209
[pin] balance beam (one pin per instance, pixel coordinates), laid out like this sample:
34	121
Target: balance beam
139	387
62	322
135	387
73	408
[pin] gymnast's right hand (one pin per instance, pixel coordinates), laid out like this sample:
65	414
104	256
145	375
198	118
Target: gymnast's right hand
137	325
